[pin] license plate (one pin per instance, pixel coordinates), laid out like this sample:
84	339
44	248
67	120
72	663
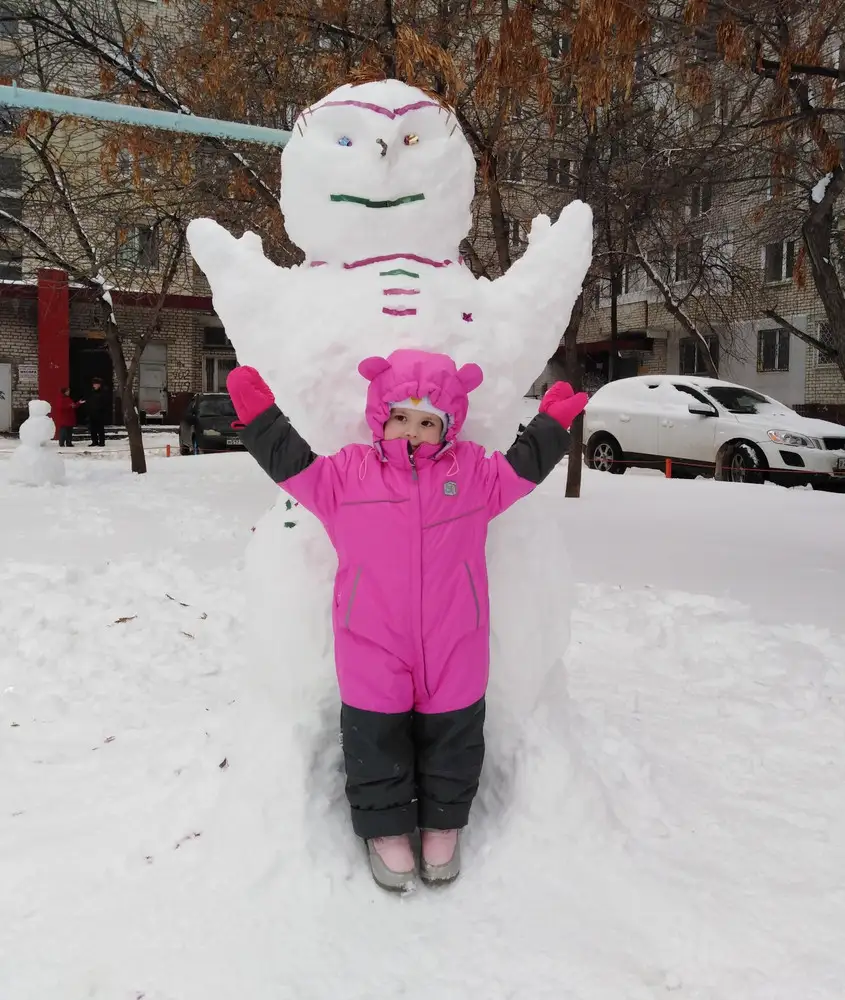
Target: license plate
231	441
839	467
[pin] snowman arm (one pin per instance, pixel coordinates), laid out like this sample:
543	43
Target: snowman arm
539	290
536	451
312	480
246	287
556	260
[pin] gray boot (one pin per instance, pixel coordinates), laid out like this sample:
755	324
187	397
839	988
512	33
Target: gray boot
392	863
447	867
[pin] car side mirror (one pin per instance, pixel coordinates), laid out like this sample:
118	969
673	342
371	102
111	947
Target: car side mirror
702	410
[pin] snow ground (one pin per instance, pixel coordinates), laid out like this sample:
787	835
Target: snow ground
691	841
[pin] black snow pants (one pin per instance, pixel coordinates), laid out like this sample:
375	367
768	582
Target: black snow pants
409	770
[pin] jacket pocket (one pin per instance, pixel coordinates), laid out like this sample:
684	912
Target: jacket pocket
472	587
350	601
455	517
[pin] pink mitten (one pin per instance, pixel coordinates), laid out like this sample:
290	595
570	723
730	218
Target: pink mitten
250	393
563	404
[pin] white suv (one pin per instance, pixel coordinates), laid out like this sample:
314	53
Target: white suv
705	425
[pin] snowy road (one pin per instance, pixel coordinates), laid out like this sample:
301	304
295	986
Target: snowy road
691	845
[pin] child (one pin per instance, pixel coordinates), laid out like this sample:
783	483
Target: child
408	518
65	417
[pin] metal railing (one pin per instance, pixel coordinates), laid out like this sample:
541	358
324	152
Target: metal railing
126	114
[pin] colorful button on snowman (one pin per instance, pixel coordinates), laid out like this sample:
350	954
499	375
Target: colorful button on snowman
32	463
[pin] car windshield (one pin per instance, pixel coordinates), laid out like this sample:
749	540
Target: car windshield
220	407
738	400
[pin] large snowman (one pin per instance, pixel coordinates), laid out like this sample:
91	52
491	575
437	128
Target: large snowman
377	186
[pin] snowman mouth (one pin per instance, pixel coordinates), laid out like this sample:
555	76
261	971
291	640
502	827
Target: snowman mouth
368	203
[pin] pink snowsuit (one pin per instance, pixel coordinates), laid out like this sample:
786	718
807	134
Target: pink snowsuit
411	611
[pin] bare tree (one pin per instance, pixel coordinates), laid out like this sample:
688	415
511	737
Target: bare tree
790	57
103	236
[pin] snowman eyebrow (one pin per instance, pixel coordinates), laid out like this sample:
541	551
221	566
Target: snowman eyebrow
395	113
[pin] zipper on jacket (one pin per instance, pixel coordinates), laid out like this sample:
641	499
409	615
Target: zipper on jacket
351	604
416	567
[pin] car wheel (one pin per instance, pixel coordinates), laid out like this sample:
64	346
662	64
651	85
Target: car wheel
743	464
605	455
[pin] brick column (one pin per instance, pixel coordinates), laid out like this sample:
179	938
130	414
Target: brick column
53	334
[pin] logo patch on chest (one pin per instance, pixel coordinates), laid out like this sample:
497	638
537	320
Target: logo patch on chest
450	488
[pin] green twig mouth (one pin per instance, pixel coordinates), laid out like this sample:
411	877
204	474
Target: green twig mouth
377	204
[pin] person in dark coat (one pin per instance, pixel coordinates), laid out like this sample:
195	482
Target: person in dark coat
97	404
64	415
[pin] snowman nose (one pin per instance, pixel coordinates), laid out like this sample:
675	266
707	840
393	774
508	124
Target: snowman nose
383	145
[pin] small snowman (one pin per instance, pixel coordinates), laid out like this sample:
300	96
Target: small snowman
32	463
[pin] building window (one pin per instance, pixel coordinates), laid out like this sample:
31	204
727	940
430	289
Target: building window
559	172
138	246
215	337
11	263
11	175
773	350
217	371
129	163
724	105
9	207
689	258
632	278
779	261
512	162
705	113
560	44
8	21
563	115
692	356
825	335
513	232
10	67
701	200
640	68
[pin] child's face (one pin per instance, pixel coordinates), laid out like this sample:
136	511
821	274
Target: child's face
416	428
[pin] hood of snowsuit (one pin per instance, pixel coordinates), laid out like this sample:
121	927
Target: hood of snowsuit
417	374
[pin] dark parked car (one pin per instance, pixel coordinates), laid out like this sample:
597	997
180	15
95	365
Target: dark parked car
207	425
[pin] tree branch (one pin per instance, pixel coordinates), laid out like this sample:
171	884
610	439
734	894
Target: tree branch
829	352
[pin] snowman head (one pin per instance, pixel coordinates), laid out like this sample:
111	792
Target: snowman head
39	428
375	169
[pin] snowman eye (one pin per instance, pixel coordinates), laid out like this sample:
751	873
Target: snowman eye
411	139
344	140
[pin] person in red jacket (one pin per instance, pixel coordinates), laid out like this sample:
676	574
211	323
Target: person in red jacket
64	416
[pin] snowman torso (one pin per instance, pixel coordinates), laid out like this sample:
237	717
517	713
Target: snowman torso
32	463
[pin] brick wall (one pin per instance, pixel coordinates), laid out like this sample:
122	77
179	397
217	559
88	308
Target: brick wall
19	345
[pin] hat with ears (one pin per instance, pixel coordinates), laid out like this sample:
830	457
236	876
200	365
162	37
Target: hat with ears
410	375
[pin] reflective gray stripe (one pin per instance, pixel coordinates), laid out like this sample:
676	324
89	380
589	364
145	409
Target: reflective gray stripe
457	517
352	598
474	596
355	503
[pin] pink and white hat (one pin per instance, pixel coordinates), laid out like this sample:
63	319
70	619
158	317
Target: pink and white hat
423	405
